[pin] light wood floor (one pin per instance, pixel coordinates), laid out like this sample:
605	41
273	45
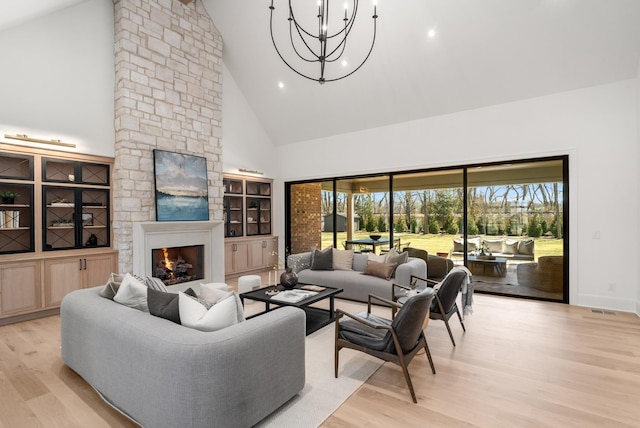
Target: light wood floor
520	364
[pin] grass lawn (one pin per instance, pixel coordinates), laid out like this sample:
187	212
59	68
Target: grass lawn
441	243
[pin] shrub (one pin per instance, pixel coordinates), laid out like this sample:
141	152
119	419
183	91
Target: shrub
370	224
451	227
382	225
534	229
434	227
401	225
472	228
415	225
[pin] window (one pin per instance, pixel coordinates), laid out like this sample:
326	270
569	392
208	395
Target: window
506	221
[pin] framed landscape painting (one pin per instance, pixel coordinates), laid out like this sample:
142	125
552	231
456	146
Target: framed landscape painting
181	187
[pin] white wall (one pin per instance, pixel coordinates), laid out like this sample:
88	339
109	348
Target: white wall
245	144
638	143
57	78
596	127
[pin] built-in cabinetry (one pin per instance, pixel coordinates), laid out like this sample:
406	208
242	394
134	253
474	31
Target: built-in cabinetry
249	243
249	254
55	233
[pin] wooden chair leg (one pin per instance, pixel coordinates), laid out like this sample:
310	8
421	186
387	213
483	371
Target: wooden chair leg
446	322
426	351
461	322
407	378
337	347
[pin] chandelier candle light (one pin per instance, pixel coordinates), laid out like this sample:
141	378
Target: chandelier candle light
325	47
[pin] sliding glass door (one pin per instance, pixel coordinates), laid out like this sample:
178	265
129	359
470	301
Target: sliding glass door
506	222
515	230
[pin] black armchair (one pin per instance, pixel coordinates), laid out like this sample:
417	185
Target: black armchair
397	340
444	304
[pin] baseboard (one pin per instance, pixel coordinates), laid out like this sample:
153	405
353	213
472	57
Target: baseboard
612	303
638	308
30	316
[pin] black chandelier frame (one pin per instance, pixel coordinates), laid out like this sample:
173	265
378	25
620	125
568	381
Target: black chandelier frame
304	49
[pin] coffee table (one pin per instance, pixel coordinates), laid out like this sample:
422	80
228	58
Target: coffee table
316	317
498	265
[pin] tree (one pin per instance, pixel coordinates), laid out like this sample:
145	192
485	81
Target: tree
401	225
534	230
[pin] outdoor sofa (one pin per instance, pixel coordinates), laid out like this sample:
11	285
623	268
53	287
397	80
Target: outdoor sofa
511	249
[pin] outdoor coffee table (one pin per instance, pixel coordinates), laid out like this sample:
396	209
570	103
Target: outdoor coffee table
498	265
316	317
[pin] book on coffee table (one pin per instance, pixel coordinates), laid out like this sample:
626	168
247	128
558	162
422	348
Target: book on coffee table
293	296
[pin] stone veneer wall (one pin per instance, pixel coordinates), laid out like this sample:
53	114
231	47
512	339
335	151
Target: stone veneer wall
168	96
306	217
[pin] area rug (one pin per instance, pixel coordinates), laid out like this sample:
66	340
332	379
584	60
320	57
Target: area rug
323	393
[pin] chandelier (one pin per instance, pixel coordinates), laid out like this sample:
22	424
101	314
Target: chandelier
322	46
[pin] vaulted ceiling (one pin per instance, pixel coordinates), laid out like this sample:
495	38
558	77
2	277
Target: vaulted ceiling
481	53
484	52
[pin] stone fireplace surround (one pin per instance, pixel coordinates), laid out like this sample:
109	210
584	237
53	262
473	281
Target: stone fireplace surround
168	96
148	236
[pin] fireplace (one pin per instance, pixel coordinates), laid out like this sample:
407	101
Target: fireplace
178	264
196	243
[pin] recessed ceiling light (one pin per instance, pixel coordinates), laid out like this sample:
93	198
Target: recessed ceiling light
280	85
344	63
431	33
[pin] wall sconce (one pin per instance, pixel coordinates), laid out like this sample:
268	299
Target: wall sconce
25	137
250	171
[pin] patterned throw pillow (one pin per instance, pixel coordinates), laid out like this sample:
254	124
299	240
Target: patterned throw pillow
155	284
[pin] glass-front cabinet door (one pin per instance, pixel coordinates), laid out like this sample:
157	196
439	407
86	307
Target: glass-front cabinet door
75	218
16	218
232	216
61	171
16	203
94	218
258	216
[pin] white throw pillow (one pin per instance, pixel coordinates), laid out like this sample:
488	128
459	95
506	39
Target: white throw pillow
195	315
342	259
213	291
378	258
132	293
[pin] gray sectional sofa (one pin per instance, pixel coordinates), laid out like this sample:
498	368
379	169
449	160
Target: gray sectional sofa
162	374
355	284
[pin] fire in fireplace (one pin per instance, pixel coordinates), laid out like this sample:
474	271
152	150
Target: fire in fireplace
178	264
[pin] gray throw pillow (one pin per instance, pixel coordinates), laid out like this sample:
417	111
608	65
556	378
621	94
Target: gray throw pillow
322	260
165	305
394	257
